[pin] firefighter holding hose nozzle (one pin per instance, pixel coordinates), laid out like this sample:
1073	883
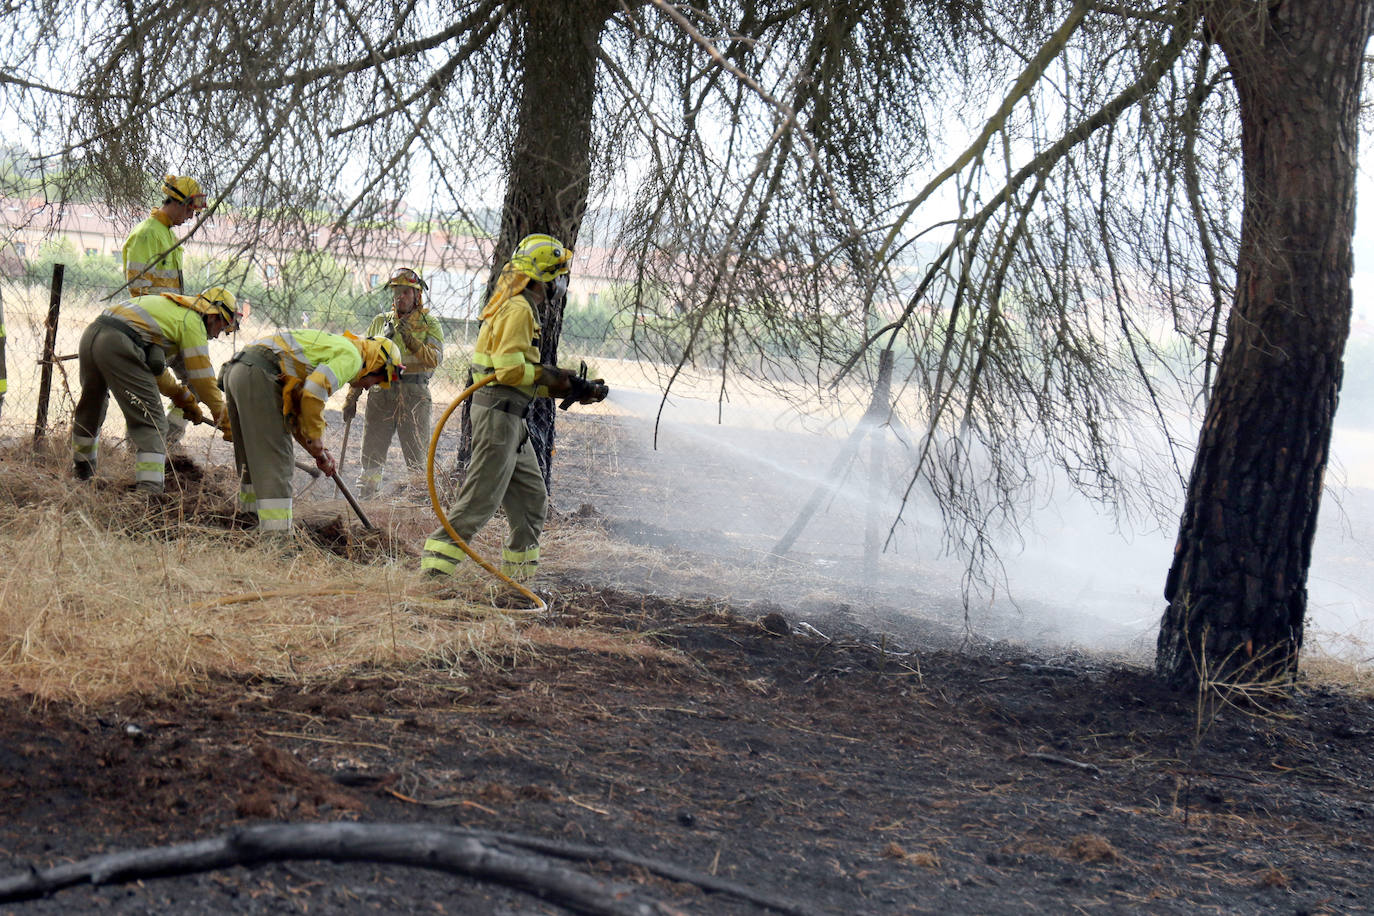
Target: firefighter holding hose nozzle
503	470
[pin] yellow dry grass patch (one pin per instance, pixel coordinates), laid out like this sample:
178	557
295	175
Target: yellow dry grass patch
99	601
1340	672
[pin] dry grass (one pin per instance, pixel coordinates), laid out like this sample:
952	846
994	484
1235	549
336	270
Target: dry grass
1350	671
635	647
104	597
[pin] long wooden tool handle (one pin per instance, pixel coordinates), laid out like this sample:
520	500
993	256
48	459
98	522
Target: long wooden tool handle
362	516
343	449
308	468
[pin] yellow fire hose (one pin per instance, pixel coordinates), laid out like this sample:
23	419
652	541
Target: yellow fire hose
439	510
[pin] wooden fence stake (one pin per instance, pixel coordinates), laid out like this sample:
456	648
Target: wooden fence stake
40	425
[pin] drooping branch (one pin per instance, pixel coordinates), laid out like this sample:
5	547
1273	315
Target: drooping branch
1042	162
1032	74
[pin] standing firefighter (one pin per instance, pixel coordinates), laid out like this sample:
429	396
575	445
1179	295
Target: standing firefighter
124	353
405	409
277	388
153	256
503	471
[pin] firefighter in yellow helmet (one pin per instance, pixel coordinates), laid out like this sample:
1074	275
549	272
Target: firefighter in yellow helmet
403	410
153	259
503	470
152	254
276	389
124	354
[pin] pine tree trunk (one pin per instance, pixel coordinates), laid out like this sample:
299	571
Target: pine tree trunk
550	163
1237	589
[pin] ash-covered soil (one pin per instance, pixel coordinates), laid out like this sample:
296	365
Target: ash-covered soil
830	757
844	773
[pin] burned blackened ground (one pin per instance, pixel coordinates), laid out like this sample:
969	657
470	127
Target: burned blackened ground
835	750
835	767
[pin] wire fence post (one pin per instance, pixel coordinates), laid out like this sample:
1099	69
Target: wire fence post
4	377
49	355
881	409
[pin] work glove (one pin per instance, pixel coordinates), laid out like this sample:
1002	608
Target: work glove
584	391
184	399
350	408
412	330
323	460
189	406
574	387
221	421
389	328
558	381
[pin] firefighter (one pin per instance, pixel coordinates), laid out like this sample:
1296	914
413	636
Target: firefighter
276	389
503	470
124	353
405	409
153	256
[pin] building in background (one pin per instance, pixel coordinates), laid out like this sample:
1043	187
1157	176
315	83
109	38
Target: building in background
455	265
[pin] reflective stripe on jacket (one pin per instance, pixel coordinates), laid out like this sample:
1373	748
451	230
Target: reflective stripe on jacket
314	364
179	331
143	269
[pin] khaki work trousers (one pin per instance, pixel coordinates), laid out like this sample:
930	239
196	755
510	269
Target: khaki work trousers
264	449
403	411
503	472
176	420
112	365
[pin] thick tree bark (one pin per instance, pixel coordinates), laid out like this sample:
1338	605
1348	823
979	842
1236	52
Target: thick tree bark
550	166
1237	589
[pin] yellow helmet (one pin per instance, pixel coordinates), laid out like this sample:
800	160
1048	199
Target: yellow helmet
541	257
381	353
219	301
406	276
216	301
184	190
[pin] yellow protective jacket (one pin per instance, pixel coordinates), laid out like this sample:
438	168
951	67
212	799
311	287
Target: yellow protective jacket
145	271
508	344
423	329
314	364
179	331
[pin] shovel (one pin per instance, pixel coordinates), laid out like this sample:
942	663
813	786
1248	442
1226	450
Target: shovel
343	449
343	488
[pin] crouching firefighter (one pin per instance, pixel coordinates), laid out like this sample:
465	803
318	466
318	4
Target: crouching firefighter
503	470
276	389
124	354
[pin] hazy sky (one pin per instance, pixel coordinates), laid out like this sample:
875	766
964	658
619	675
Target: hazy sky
1364	235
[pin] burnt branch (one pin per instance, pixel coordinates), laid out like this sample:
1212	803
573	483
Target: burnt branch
523	863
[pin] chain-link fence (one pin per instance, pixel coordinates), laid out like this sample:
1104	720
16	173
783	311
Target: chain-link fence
27	300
